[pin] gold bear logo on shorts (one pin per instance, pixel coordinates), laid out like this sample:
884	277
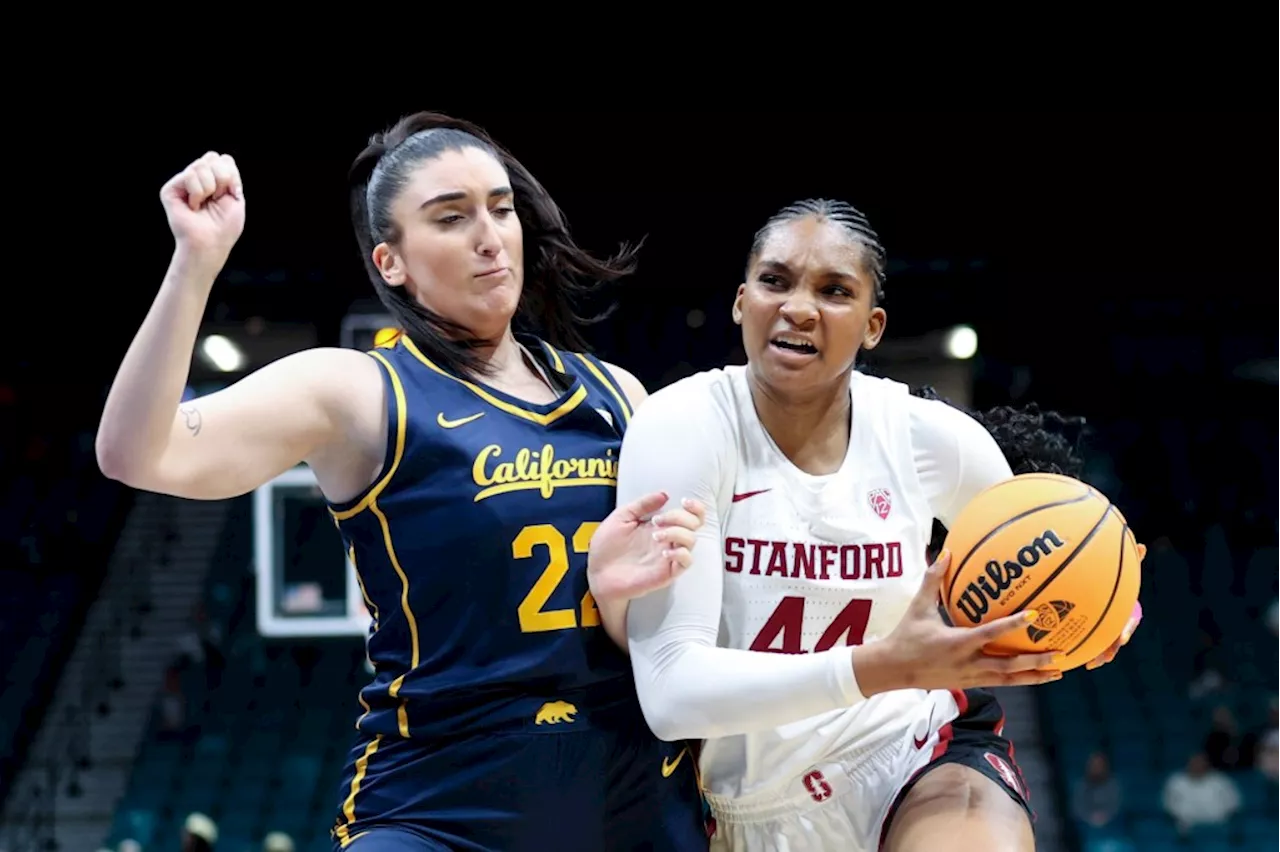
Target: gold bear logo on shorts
555	712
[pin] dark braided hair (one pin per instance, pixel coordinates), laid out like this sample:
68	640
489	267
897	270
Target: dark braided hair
558	273
842	213
1033	441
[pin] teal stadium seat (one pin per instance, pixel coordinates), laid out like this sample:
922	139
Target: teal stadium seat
1150	832
1108	843
1259	832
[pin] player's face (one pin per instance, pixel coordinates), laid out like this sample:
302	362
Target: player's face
461	248
807	306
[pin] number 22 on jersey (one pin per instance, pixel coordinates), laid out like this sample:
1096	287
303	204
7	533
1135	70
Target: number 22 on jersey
534	618
786	625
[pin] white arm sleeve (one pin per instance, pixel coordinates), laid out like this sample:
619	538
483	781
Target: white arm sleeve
682	444
956	457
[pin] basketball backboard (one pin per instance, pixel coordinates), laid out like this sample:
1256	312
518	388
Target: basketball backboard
305	584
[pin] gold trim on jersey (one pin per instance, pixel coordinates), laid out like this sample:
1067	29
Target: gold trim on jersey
370	502
401	423
364	593
541	419
617	392
553	355
343	831
402	714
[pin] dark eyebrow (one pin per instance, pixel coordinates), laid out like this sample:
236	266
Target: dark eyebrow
781	266
458	196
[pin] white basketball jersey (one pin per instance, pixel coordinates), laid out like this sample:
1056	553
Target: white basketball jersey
816	562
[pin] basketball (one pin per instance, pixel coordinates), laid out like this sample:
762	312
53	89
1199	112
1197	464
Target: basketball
1050	544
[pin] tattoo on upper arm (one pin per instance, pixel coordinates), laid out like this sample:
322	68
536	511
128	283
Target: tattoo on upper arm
192	415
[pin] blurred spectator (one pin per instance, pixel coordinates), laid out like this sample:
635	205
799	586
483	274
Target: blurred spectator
129	845
277	841
199	833
173	706
202	644
1200	795
1222	745
1208	678
1272	617
1266	758
1097	798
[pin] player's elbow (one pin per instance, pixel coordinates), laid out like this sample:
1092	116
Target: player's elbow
160	476
114	461
663	720
668	712
108	461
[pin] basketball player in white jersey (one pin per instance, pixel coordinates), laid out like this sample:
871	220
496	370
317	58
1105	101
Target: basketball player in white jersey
805	645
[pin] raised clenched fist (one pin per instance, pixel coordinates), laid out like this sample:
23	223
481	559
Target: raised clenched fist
205	206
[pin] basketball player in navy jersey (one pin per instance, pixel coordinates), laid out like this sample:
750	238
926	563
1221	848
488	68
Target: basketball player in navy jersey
804	645
472	475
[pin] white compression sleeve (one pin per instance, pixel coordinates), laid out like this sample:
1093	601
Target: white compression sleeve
682	442
956	457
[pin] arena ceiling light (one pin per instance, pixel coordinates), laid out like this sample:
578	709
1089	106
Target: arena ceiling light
961	343
221	353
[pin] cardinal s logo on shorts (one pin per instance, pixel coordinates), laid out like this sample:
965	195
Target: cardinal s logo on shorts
881	502
1006	773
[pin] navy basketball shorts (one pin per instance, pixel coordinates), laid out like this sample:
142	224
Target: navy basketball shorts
579	789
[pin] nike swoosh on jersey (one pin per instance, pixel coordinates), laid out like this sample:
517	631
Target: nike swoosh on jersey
928	729
669	765
738	497
454	424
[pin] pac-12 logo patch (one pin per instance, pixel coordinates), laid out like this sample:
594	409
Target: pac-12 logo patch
881	502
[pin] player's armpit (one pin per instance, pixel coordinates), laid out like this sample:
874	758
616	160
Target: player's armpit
630	386
230	442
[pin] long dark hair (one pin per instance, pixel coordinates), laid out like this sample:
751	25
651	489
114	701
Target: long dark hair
558	273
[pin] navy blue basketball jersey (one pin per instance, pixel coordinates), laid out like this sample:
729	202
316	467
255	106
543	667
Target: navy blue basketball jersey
471	549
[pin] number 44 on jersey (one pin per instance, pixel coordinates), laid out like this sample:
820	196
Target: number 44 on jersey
783	631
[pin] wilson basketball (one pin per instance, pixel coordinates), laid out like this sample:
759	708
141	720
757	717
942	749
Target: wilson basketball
1051	544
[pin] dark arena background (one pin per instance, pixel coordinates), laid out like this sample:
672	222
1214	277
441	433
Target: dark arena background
175	667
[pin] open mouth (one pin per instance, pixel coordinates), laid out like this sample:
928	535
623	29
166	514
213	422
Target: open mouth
794	344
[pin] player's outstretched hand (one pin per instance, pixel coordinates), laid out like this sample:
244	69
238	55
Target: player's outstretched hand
205	206
924	652
635	551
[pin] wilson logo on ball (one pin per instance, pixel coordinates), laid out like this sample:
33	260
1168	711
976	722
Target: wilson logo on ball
988	588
